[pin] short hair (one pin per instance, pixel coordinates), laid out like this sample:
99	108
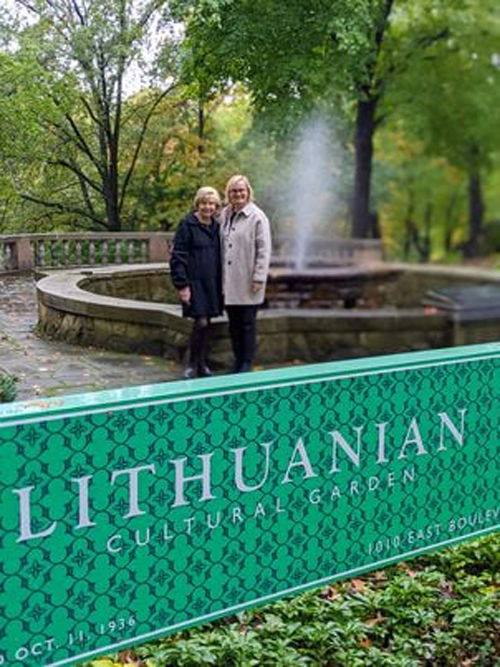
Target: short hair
232	182
203	193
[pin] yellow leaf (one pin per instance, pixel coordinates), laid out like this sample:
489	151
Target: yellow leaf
358	585
374	621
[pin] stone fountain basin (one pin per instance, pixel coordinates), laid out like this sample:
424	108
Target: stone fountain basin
334	287
134	308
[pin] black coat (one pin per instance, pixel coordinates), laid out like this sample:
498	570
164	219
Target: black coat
196	262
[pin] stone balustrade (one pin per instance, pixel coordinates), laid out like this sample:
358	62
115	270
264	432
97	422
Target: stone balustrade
25	252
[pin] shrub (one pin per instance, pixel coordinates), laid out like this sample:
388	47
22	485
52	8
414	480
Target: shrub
8	389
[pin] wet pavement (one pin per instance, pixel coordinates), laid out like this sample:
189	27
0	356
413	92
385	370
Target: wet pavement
51	368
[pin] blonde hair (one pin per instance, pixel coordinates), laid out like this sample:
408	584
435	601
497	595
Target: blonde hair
236	179
205	192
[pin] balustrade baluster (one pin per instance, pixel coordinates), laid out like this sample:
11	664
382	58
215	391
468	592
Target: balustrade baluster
118	252
144	250
71	253
130	251
104	251
10	256
78	252
40	253
65	252
54	252
92	252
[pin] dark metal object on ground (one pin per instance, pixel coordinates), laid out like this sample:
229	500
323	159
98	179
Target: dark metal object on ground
466	302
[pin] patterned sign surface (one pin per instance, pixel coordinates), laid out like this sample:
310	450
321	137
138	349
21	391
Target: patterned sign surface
129	514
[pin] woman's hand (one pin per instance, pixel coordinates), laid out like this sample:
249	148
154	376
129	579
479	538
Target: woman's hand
185	295
256	287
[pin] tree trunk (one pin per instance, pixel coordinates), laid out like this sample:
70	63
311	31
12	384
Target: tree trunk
409	224
375	231
112	188
113	221
365	130
425	243
201	128
363	145
112	214
476	214
449	223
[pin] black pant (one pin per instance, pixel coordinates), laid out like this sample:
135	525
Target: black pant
243	332
198	348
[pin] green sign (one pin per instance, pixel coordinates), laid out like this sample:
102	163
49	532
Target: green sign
130	514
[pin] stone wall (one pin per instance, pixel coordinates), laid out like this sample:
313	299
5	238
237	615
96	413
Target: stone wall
153	286
324	336
112	334
135	310
412	283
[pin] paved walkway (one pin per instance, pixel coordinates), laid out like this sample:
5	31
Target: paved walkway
46	368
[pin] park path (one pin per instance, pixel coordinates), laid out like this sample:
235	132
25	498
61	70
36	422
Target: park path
50	368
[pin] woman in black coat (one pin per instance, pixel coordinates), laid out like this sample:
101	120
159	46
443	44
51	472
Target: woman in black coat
196	272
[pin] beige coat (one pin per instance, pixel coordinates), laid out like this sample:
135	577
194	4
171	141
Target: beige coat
246	253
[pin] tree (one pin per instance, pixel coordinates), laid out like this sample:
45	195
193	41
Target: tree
290	55
451	104
420	198
25	138
177	159
83	57
293	55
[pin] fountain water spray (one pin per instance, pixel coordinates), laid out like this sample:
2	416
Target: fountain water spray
314	177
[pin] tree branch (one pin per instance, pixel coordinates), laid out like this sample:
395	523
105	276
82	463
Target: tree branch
78	12
63	208
90	111
101	168
72	166
418	44
139	143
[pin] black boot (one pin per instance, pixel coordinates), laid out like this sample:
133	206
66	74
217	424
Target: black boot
248	339
191	370
203	368
235	337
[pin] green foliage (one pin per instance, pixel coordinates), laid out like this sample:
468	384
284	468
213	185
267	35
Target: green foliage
447	99
8	389
441	609
248	73
422	218
24	139
429	64
180	154
300	53
77	62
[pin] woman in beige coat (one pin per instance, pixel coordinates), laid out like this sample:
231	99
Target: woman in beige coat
246	252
